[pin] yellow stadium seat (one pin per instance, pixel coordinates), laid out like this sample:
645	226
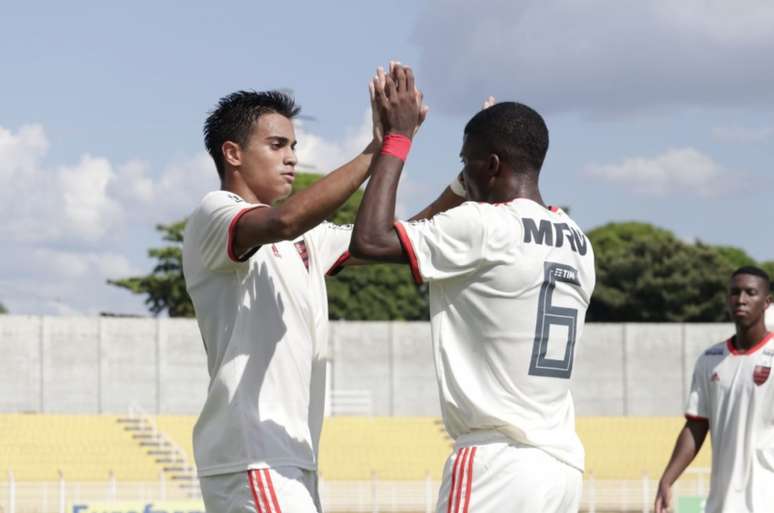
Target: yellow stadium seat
81	447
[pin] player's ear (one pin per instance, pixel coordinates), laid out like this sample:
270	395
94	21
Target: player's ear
493	164
232	153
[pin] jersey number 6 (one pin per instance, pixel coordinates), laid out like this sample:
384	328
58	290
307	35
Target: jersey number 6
550	315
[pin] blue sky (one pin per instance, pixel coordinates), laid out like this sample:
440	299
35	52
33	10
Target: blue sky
659	111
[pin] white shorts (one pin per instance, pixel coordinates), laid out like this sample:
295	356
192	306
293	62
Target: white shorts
501	477
275	490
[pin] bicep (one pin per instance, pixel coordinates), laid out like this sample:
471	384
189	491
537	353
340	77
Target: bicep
257	226
697	430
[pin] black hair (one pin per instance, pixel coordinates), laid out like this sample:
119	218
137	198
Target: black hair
234	116
754	271
513	131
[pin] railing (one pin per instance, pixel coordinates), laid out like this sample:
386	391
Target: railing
369	496
351	402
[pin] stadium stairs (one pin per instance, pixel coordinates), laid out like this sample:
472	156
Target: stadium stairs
174	461
138	447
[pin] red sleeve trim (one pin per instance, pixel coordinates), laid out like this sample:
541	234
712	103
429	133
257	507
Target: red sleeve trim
696	417
338	265
231	228
409	248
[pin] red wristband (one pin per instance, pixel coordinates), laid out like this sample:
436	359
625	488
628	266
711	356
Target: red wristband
397	145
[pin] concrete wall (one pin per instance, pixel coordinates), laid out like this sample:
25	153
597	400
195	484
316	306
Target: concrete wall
104	365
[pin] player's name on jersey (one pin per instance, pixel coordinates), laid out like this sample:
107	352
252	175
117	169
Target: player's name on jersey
553	234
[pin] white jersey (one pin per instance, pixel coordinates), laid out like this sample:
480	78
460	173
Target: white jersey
264	321
509	287
734	392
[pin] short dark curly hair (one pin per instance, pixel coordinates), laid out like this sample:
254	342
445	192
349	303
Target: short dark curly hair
513	131
234	116
752	270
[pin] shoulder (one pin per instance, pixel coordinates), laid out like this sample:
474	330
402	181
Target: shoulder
717	349
216	199
712	354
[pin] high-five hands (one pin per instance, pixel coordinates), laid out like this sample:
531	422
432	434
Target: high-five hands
396	101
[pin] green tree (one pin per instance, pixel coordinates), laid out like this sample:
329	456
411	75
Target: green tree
646	274
735	257
164	286
768	266
374	292
3	309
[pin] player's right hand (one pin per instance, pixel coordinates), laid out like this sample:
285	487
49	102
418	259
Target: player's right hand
399	104
663	498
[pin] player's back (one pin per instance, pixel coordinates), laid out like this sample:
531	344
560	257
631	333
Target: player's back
505	331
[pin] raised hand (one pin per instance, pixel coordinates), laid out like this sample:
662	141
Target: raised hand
376	120
399	102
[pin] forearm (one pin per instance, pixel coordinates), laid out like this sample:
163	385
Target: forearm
308	208
688	444
374	237
442	203
304	210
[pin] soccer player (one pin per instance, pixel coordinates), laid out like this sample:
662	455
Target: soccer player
256	274
510	281
732	397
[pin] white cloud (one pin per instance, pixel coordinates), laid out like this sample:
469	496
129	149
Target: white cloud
741	134
69	226
87	212
20	153
170	196
597	57
323	155
686	171
79	264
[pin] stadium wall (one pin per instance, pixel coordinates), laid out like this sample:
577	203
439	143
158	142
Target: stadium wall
106	365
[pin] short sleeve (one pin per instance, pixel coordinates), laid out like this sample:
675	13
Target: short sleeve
698	399
329	245
217	219
454	242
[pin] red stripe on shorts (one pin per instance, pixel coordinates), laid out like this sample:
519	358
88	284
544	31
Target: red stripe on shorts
273	495
468	490
460	476
454	480
251	482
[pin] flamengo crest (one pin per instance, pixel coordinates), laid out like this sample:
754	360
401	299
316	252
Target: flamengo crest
761	374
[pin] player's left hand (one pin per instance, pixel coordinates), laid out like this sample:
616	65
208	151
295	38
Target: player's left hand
378	85
376	120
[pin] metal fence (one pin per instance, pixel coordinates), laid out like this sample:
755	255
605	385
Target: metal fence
371	496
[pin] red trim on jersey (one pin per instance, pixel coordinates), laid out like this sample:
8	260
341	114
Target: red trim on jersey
273	495
251	482
469	491
454	479
409	248
338	265
230	241
756	347
696	417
